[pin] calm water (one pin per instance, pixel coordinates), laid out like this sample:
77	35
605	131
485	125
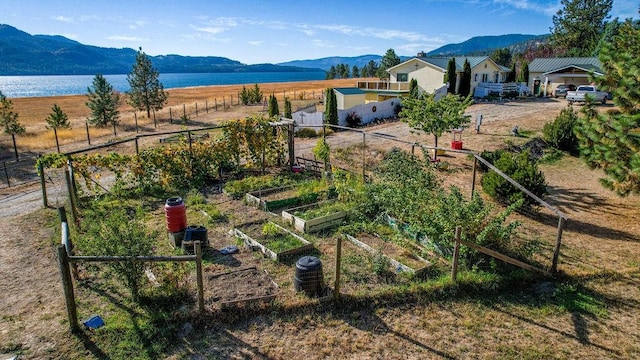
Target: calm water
54	85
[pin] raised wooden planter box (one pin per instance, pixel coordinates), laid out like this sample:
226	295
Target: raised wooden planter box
418	265
277	198
258	243
315	224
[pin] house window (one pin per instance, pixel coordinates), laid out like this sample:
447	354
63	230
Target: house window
475	77
485	77
403	77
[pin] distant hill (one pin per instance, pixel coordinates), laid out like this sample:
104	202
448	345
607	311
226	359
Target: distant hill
485	44
25	54
480	45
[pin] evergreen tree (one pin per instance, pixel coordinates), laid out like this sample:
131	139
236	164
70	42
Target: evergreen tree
355	72
372	68
9	121
501	56
524	73
344	71
331	107
465	81
451	76
414	90
57	119
103	102
611	141
287	108
273	106
245	96
147	92
331	74
256	94
579	25
511	77
389	60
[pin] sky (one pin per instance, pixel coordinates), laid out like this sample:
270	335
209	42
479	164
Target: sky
263	31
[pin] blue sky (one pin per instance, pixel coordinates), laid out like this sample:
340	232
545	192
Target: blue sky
255	31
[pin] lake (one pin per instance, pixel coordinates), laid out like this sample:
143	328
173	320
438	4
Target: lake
56	85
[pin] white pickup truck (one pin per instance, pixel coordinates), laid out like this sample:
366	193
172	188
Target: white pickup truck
587	90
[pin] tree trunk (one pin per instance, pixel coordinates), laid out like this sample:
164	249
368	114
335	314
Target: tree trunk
15	148
435	151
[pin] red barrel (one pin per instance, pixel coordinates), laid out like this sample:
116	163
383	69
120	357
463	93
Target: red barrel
176	213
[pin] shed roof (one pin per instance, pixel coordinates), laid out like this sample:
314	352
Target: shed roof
443	62
349	91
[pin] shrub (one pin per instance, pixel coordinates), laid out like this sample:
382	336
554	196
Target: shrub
353	119
521	168
559	133
306	133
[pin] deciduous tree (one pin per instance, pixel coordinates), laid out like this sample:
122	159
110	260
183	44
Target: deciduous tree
431	116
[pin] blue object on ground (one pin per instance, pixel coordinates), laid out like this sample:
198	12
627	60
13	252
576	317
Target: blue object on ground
94	322
232	249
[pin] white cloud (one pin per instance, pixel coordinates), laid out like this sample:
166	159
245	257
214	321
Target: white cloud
138	24
548	8
255	43
64	19
210	29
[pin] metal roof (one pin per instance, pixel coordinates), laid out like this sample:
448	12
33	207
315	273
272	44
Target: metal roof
443	62
349	91
545	65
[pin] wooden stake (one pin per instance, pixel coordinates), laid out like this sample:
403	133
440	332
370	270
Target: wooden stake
336	286
67	287
198	251
456	253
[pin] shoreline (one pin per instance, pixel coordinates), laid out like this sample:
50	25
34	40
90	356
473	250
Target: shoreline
34	110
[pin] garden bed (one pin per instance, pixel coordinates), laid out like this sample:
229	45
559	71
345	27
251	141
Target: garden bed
280	197
316	217
401	259
239	288
277	243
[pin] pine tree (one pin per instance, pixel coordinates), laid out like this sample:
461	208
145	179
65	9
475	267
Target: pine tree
9	121
579	25
465	81
355	72
389	60
103	102
451	76
331	107
57	119
256	94
287	108
245	96
147	92
611	141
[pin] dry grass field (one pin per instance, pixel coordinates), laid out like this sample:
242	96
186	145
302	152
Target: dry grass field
591	310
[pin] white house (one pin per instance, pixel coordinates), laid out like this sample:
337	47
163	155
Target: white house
429	73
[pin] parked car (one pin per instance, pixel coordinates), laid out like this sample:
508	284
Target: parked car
587	90
561	90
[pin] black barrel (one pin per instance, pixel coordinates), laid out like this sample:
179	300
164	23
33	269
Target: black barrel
194	233
309	277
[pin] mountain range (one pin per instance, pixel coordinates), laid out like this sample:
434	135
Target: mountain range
25	54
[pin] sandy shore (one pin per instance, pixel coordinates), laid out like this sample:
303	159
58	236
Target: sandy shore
35	109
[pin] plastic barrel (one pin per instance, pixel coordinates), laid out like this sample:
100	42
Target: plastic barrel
176	213
309	277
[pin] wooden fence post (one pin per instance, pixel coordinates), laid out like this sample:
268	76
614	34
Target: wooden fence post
456	254
170	117
155	123
198	251
43	184
364	166
6	173
206	106
336	287
215	102
473	179
86	124
74	211
135	118
556	250
196	109
67	287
